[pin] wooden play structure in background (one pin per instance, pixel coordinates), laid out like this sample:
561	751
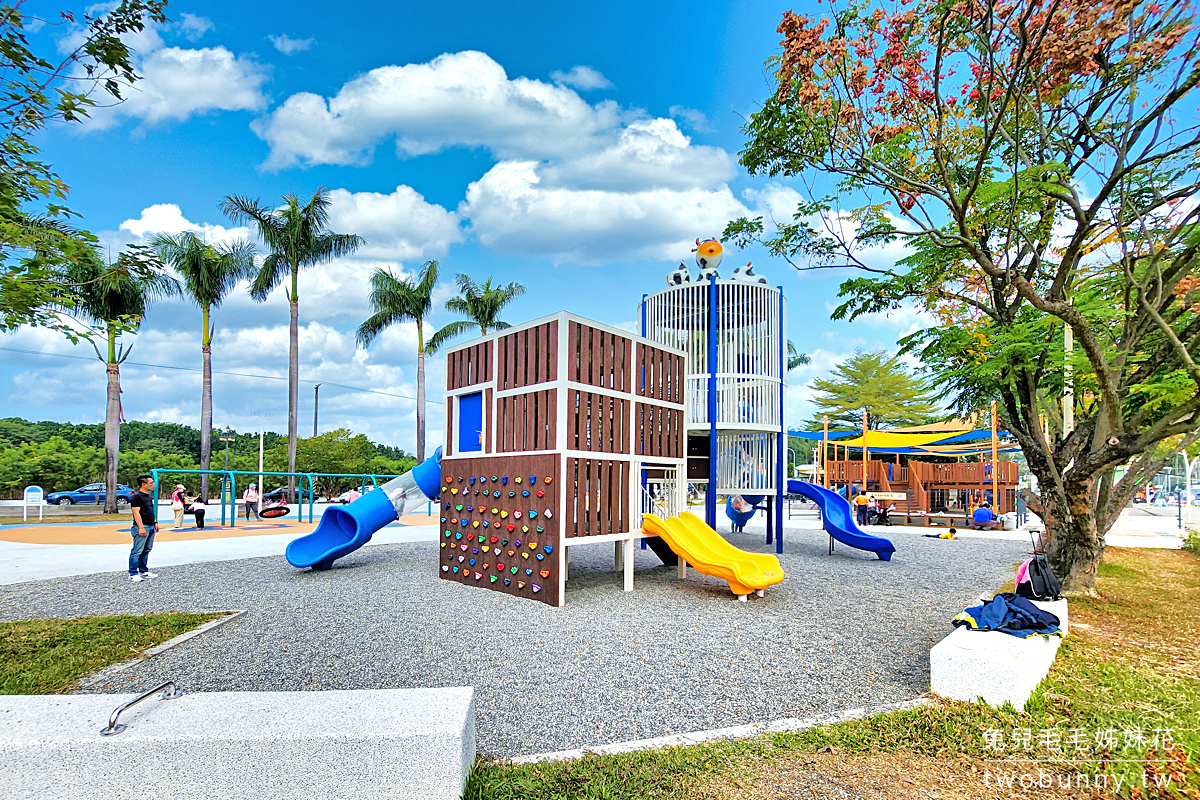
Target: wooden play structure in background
559	432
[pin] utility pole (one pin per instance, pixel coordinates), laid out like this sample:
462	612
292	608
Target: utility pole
316	406
227	437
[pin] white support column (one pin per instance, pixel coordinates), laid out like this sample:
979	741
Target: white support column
627	547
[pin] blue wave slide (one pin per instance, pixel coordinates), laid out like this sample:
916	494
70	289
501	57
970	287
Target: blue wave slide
838	518
344	529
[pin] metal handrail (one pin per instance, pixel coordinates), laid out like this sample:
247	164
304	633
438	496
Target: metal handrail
113	728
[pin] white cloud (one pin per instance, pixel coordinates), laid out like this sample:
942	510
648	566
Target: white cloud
192	27
581	77
511	212
695	118
288	46
400	226
179	83
168	218
462	99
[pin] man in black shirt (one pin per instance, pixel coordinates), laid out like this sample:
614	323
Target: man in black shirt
145	525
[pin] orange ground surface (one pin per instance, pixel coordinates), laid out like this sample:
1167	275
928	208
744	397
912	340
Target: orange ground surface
118	532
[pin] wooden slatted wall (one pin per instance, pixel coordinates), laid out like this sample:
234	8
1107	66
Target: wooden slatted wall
660	374
527	421
597	422
469	366
597	497
527	356
659	431
598	358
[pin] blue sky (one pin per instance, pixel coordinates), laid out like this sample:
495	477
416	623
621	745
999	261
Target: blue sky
576	151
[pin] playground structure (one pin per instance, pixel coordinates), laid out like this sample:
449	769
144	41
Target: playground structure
555	430
733	335
921	487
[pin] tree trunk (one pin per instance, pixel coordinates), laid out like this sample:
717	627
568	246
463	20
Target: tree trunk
112	428
1076	543
420	404
205	404
293	385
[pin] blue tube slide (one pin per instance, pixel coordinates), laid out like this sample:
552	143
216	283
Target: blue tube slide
344	529
838	518
740	518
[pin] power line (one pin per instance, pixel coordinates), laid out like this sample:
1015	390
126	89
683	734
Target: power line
217	372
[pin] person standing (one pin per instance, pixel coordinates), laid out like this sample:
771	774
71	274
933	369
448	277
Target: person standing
198	508
145	525
859	502
250	498
178	505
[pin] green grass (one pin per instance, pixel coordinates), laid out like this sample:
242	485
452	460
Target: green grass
50	656
1131	662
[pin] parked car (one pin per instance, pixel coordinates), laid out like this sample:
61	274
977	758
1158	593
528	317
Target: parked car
280	494
93	493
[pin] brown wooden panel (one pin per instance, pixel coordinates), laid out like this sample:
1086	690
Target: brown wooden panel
449	451
598	501
477	509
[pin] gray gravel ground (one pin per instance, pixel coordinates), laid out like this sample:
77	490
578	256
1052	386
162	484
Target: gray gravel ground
842	631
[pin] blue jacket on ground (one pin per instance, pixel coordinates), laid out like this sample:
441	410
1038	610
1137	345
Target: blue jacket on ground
1011	614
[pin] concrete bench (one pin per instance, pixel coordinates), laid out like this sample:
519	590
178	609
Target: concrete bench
395	743
995	667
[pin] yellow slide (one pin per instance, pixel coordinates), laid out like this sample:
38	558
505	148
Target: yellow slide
709	553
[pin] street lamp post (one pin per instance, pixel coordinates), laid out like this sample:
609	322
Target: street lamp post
316	406
227	437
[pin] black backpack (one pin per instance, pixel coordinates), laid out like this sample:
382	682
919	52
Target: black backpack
1039	583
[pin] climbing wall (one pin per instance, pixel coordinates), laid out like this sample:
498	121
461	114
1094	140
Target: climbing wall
500	524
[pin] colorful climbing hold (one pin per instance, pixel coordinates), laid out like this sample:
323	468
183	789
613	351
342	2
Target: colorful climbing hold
528	572
494	578
475	524
516	515
456	570
540	529
520	584
539	556
540	493
512	494
532	514
462	559
472	562
443	544
549	479
494	479
517	543
503	542
507	582
524	529
525	493
478	575
504	481
472	480
454	490
518	479
445	568
514	570
549	549
545	573
548	513
494	540
511	527
524	555
536	588
458	535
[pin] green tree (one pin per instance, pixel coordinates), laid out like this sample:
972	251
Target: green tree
37	243
1039	161
297	236
481	305
877	381
209	273
795	357
113	300
396	300
332	452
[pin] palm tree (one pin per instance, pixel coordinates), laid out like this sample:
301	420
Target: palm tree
795	357
209	273
481	305
112	299
296	235
401	300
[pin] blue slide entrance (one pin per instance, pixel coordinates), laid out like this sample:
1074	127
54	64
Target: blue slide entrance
838	518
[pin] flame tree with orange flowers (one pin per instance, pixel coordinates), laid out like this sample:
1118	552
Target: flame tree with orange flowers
1038	161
